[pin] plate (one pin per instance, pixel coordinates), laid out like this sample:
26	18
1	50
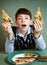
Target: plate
12	58
9	58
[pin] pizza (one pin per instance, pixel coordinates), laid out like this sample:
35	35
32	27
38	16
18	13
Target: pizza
21	61
5	17
30	55
38	15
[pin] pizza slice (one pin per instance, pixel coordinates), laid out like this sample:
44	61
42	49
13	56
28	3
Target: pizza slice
38	15
5	17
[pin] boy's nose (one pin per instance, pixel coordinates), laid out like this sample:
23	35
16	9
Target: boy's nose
23	20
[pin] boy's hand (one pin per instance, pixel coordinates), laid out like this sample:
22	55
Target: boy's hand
38	27
7	27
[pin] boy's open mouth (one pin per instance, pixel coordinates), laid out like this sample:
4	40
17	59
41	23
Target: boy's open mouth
23	25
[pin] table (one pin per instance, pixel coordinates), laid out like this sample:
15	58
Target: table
3	57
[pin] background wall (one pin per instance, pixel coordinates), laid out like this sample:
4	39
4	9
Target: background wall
11	6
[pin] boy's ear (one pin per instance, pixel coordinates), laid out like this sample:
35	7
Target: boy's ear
16	23
31	22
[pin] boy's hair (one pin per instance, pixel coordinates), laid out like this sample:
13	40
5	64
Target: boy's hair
23	11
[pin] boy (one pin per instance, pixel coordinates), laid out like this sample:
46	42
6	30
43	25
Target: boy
24	36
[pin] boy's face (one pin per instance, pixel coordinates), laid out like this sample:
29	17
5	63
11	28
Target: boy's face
23	21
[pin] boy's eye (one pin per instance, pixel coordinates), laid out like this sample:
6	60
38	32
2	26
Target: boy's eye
19	18
26	18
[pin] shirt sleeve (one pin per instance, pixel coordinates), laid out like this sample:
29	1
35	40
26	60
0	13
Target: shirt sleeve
40	43
9	45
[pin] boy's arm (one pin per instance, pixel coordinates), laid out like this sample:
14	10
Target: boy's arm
40	43
9	45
